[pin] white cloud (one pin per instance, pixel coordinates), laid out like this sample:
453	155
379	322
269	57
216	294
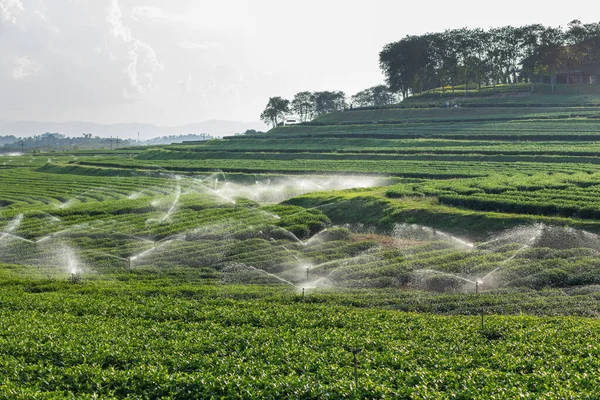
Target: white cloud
142	61
24	68
8	8
188	45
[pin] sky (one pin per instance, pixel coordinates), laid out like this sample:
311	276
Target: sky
174	62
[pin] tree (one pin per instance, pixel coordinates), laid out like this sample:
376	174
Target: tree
395	61
452	62
364	98
530	38
304	105
328	102
275	110
500	55
482	42
407	64
251	132
379	95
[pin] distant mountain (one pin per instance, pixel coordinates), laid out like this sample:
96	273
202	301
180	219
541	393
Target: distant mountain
147	131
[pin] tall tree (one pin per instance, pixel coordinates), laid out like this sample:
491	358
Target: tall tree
452	64
328	102
479	58
382	95
303	105
275	110
379	95
501	55
530	42
364	98
396	61
547	60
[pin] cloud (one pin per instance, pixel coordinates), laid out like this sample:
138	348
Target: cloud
8	8
197	46
24	68
142	61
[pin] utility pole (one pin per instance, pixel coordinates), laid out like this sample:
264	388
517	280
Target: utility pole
138	138
117	142
111	142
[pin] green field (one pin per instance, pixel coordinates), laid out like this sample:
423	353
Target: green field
454	252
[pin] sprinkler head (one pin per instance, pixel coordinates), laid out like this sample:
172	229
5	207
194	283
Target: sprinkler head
74	271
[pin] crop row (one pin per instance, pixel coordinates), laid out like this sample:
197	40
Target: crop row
564	130
148	340
377	146
541	194
418	167
451	114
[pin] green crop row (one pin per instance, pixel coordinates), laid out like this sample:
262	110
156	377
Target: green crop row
454	114
541	194
538	130
149	340
376	146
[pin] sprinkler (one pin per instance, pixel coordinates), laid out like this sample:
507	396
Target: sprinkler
307	272
302	292
75	276
355	351
477	283
482	326
477	293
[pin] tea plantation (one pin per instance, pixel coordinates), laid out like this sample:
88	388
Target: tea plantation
412	251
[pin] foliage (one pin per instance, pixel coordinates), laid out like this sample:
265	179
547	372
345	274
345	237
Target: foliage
275	111
375	96
329	102
502	55
151	338
304	105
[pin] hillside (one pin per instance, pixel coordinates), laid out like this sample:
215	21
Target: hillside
533	161
270	261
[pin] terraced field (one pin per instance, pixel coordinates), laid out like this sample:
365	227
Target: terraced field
260	266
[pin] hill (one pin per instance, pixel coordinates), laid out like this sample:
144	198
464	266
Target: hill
271	262
482	157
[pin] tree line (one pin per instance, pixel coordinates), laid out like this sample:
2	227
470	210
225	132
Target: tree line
59	142
308	105
469	58
532	54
